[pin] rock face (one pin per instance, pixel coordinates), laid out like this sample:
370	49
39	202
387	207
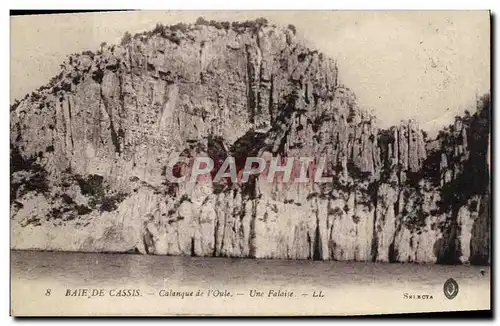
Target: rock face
89	153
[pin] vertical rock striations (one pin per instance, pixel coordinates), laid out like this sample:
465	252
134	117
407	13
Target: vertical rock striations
89	153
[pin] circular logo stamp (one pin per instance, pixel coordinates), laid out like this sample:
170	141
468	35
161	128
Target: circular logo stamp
450	288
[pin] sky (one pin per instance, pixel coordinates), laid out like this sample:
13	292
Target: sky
422	65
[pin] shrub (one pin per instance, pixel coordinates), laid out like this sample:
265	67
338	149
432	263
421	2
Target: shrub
67	199
179	27
173	38
202	21
110	203
14	106
35	96
292	28
66	87
91	185
261	21
76	80
335	211
89	53
126	39
27	173
55	79
98	76
159	29
250	24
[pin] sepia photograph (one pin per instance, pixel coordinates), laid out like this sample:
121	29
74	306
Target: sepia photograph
250	163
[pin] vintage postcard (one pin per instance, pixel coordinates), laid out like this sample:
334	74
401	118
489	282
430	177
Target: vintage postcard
250	163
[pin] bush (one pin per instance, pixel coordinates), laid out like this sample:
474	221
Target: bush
250	24
293	29
14	106
173	38
91	185
202	21
261	21
126	39
110	203
67	199
335	211
26	173
179	27
76	80
55	79
66	87
159	29
98	76
89	53
35	96
82	210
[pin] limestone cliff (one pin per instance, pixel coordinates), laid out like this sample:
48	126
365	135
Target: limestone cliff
89	152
